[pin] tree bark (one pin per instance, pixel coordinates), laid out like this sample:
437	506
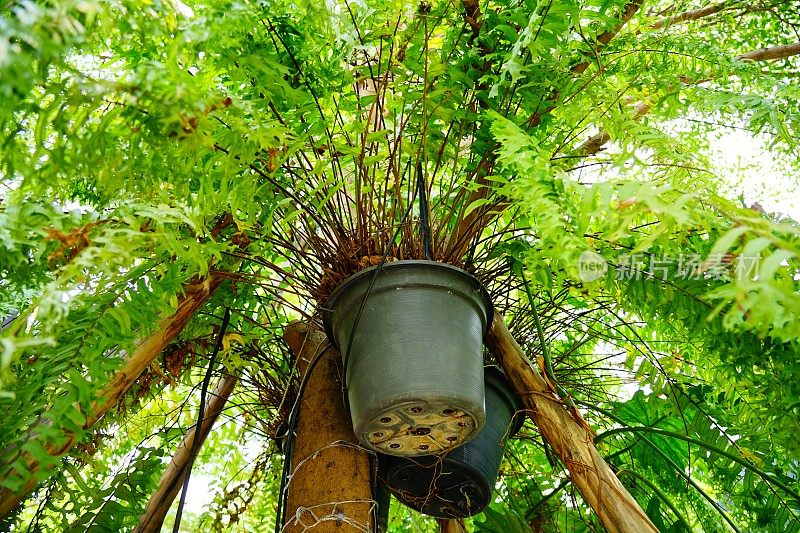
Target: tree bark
173	477
329	482
195	295
572	443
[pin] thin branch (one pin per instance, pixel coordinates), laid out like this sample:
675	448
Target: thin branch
772	53
197	440
743	462
689	15
595	143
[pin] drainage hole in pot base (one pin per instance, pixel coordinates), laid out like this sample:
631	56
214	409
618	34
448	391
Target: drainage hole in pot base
419	429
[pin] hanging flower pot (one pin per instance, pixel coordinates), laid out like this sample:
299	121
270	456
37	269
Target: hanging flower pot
410	334
460	482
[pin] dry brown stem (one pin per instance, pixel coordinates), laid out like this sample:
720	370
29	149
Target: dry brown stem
772	53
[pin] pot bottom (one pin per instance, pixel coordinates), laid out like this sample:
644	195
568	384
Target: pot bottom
419	427
438	487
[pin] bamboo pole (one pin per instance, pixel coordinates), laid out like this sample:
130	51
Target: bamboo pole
571	442
329	483
196	293
172	479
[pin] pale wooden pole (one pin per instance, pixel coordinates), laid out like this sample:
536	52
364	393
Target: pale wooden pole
329	481
196	293
571	442
451	526
172	479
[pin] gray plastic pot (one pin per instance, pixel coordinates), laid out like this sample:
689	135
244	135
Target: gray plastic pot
460	482
414	368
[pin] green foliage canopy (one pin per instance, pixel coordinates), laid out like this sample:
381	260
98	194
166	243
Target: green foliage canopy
284	146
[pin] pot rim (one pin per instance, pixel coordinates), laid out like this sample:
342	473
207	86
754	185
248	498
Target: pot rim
330	302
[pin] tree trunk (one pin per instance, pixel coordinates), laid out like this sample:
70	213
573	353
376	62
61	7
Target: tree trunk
173	477
196	294
572	443
329	482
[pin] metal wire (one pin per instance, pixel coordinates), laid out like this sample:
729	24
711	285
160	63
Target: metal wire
200	415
